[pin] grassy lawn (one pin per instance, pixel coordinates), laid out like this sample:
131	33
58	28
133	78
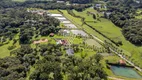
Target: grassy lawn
92	42
54	11
4	52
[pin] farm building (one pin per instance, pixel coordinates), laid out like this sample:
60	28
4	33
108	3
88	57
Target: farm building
122	62
65	32
98	6
63	42
70	51
55	15
66	22
79	32
51	34
70	25
40	12
61	18
60	1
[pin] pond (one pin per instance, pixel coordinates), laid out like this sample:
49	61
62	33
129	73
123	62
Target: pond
125	71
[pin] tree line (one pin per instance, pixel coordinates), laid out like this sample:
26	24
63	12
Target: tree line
41	4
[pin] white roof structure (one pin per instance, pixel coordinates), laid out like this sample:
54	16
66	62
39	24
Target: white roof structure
55	15
66	22
70	25
67	31
79	32
70	52
61	18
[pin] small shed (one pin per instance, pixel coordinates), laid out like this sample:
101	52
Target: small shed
51	34
122	62
70	51
98	5
60	1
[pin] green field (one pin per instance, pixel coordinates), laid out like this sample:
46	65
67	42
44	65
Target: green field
54	11
4	52
139	12
106	27
92	42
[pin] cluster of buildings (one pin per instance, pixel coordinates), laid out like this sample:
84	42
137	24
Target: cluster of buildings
68	24
37	11
63	20
100	6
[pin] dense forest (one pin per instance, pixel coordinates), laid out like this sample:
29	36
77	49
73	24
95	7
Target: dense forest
18	20
123	15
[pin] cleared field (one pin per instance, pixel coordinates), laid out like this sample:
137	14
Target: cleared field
79	32
4	52
92	42
108	28
87	14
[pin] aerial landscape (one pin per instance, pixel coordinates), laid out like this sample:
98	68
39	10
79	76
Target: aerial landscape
70	39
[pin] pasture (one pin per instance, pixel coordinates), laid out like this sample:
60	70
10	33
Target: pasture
106	27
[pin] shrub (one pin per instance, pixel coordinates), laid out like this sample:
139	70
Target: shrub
11	47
